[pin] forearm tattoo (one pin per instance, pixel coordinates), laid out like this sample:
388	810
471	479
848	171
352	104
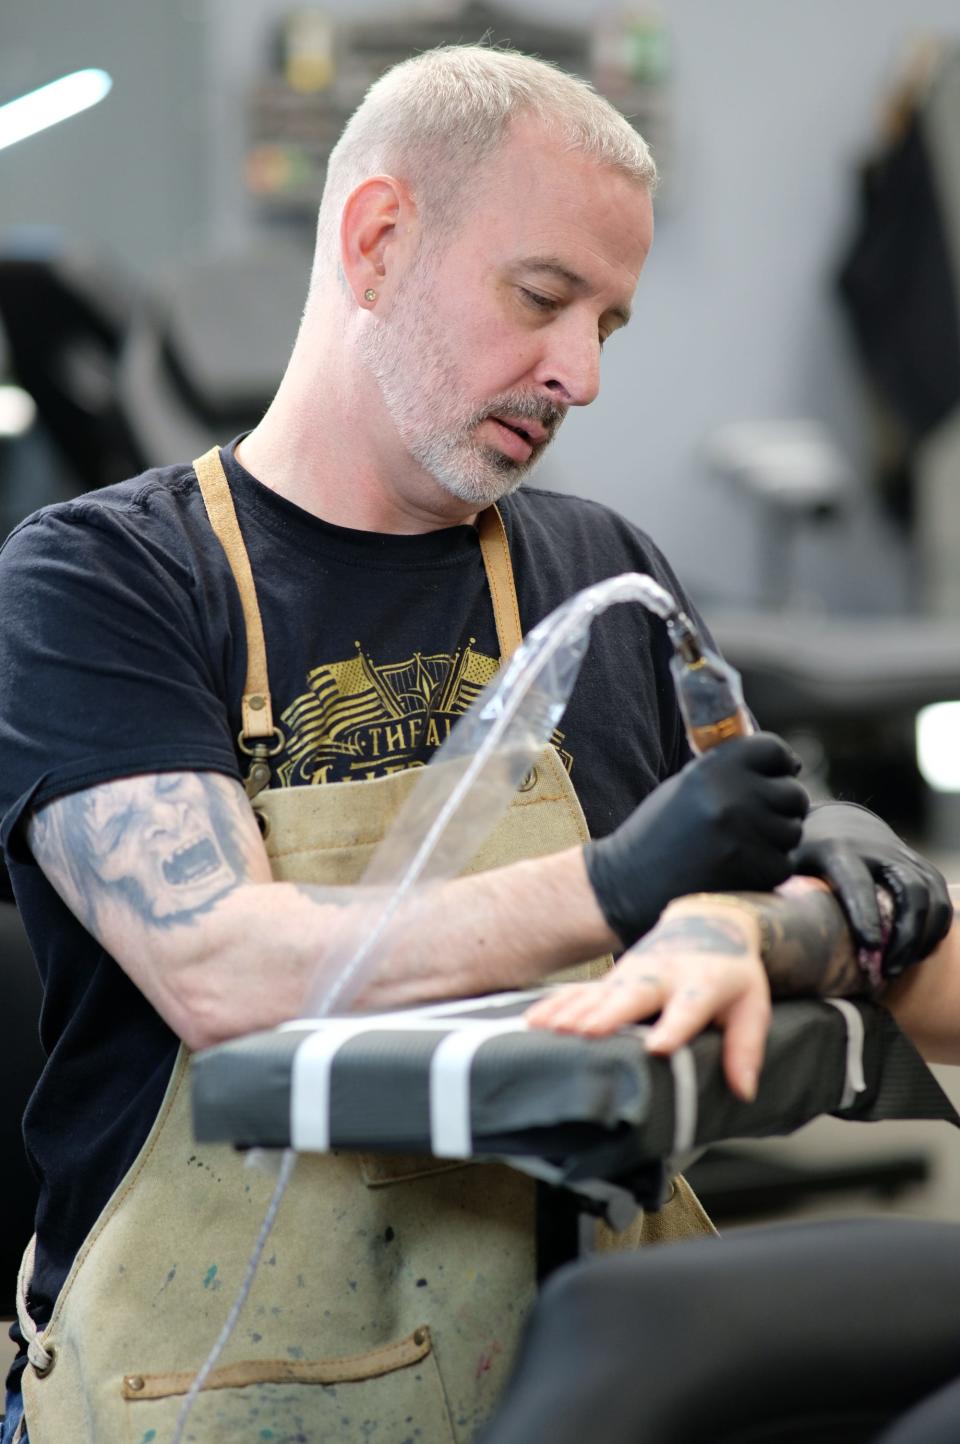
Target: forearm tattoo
809	949
166	846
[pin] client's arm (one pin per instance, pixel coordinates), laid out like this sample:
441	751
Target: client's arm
717	958
926	1000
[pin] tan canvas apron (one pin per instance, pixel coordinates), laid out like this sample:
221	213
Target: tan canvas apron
392	1291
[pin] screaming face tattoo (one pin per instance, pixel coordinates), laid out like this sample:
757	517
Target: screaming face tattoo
162	840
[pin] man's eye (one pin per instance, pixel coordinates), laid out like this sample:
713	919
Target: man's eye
534	298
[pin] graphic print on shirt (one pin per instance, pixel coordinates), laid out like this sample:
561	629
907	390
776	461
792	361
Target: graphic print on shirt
361	719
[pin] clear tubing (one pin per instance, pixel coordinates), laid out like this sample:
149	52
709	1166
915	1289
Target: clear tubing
468	784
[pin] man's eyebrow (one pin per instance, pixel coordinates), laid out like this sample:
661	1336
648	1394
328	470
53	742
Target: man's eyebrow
576	282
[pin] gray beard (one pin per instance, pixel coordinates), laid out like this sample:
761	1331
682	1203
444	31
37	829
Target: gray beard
413	386
473	473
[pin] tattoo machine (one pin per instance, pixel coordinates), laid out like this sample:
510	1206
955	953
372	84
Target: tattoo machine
709	690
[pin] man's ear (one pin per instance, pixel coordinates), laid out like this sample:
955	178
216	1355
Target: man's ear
374	233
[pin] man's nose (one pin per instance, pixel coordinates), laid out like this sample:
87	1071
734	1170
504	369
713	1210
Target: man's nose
570	368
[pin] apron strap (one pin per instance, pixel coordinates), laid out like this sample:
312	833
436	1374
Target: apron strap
495	551
257	716
256	711
258	736
39	1357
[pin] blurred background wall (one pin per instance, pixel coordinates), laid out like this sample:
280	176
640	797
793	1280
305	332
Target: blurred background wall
772	108
130	175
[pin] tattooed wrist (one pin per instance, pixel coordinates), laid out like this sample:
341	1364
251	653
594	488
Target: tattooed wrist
808	948
801	937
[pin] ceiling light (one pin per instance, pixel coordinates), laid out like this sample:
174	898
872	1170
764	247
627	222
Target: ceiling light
51	103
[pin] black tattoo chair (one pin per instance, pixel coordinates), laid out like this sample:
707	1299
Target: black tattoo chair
826	1333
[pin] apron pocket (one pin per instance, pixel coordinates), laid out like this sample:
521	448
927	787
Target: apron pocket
394	1391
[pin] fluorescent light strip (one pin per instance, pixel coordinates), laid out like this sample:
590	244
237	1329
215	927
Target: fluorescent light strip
51	103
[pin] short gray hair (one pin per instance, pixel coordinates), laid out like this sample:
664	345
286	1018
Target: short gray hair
434	119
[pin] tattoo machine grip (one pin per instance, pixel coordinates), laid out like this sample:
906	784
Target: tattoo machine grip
709	690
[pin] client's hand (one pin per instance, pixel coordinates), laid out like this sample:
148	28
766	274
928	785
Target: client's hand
701	964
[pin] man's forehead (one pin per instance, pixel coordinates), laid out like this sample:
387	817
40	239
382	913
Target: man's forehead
543	146
542	198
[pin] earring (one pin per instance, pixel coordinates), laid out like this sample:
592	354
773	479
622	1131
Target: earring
369	294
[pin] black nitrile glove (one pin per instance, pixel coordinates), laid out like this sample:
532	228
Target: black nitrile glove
854	851
728	820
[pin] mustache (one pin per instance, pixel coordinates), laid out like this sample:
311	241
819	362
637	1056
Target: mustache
525	408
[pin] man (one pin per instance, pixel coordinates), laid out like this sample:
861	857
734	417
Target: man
313	606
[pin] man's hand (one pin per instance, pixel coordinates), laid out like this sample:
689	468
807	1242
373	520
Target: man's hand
701	964
853	850
728	820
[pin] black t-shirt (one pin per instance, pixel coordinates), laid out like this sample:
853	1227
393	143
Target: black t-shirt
123	651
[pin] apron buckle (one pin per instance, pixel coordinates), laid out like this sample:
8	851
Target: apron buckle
259	751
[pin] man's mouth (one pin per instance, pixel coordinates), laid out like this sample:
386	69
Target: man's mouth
518	438
532	432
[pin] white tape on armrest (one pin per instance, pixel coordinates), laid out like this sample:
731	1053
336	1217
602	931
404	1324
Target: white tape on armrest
310	1083
684	1069
854	1081
310	1123
451	1135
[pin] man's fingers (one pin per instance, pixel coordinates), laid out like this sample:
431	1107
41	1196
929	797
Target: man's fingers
853	883
786	797
779	830
768	754
911	905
